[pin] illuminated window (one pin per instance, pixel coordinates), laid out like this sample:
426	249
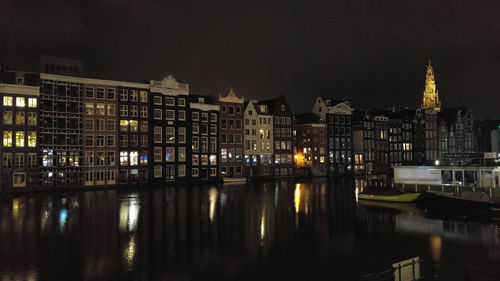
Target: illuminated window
213	159
181	154
19	139
19	179
170	134
7	117
143	96
143	158
32	117
123	158
100	109
32	102
204	159
20	102
124	125
169	154
89	108
134	158
31	139
20	117
134	125
7	138
7	101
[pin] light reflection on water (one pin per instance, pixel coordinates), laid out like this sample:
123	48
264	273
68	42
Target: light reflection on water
222	232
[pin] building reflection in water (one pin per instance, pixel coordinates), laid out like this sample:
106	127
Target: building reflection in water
435	242
187	233
212	197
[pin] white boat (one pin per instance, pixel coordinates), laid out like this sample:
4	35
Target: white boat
234	180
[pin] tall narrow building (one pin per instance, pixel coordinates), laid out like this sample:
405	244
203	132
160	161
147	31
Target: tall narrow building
231	135
431	97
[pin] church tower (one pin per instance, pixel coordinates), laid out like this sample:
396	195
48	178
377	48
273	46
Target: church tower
431	98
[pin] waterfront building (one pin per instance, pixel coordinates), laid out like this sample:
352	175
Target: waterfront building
133	133
204	135
363	142
19	131
310	149
431	136
169	141
337	115
231	135
60	138
419	134
407	135
100	133
258	139
282	137
395	137
456	134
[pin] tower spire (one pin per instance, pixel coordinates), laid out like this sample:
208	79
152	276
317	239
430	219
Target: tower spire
430	97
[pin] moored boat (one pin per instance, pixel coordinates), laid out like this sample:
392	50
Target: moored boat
401	198
234	180
466	202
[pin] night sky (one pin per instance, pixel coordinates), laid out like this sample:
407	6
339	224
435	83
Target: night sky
371	52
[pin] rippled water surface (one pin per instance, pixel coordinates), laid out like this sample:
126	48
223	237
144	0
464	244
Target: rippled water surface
266	231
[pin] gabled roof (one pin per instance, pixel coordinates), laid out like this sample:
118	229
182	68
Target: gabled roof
275	104
333	102
256	105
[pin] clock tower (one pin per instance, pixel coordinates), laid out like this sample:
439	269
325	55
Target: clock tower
431	98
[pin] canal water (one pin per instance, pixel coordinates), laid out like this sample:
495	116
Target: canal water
266	231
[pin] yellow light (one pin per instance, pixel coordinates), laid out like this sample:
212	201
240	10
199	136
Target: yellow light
263	226
31	139
19	139
296	198
296	156
7	138
212	198
436	244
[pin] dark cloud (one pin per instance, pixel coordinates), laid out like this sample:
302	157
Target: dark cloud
371	52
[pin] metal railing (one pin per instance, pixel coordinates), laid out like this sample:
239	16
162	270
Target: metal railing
430	270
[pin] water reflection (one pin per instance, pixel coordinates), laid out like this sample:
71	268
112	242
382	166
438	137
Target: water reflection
212	197
436	242
219	233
